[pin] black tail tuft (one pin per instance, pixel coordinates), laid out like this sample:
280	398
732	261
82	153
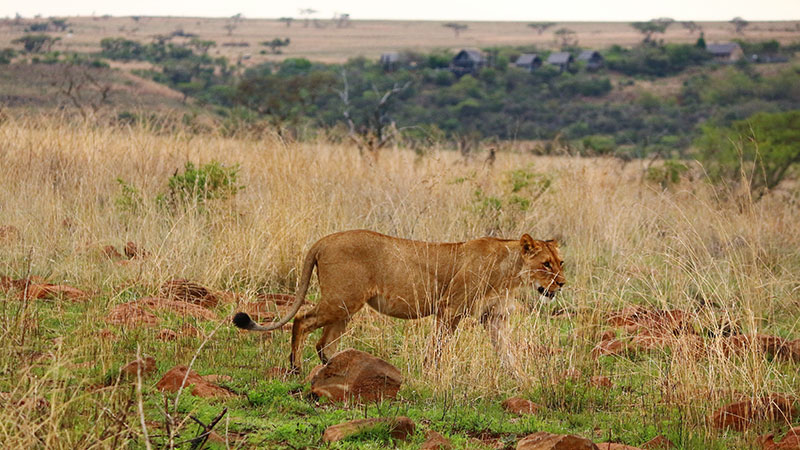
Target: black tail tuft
242	320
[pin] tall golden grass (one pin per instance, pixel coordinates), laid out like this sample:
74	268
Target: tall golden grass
626	242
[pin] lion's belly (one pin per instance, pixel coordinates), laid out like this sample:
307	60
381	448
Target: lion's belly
399	307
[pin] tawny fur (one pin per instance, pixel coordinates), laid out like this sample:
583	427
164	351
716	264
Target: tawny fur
411	279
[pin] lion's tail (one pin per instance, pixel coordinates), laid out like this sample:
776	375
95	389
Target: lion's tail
243	320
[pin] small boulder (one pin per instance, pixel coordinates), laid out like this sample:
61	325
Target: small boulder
549	441
614	446
146	365
791	441
658	443
131	314
519	405
436	441
133	251
399	427
53	291
611	347
740	415
608	335
601	381
167	335
111	252
9	234
177	307
174	378
190	292
188	330
355	374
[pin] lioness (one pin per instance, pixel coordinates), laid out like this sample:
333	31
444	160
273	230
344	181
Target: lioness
411	279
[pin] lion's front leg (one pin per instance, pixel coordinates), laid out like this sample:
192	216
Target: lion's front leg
499	333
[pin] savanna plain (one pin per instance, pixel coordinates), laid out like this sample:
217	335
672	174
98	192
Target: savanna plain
682	298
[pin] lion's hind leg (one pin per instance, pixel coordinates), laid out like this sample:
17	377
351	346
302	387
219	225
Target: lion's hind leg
327	344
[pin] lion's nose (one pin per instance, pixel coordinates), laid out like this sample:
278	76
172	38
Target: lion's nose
561	283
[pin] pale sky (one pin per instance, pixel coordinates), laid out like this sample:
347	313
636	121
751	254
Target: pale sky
513	10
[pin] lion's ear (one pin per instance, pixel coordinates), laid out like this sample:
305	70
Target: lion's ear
528	244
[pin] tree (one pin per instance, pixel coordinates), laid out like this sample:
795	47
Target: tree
740	24
691	26
456	27
307	12
201	45
759	150
342	20
651	27
566	37
540	27
59	24
276	44
36	43
233	23
287	20
375	129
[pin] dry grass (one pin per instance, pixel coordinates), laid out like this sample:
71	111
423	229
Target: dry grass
626	242
371	38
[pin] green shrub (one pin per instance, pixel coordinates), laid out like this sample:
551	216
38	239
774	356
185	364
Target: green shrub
197	185
667	174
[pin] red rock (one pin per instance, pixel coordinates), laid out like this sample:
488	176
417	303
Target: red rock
111	252
188	330
9	233
8	283
656	321
131	314
278	299
612	347
190	292
355	374
763	343
519	405
133	251
146	365
177	307
167	335
53	291
658	443
548	441
172	380
399	427
601	381
436	441
740	415
791	441
608	335
613	446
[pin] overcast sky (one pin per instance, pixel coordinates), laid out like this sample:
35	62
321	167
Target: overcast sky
515	10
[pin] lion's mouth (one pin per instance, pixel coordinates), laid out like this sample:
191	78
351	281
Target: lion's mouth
545	292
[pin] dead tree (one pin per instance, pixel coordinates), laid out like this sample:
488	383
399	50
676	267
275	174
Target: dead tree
83	90
377	130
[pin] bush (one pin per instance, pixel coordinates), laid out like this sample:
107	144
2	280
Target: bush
762	149
197	185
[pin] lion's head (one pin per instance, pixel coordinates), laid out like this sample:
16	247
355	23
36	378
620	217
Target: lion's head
542	264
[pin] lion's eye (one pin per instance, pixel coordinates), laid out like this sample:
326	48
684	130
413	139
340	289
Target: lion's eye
547	264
